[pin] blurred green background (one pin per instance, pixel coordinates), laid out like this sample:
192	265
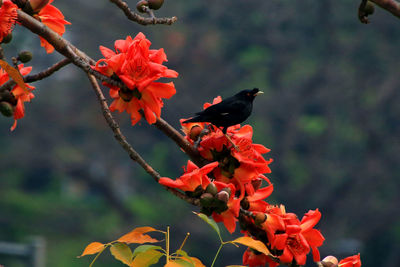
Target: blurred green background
330	114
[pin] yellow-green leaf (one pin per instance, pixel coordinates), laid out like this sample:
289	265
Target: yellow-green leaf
194	261
179	263
252	243
138	236
143	248
92	248
122	252
14	74
146	258
197	262
210	222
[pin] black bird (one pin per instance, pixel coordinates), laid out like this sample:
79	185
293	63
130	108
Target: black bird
231	111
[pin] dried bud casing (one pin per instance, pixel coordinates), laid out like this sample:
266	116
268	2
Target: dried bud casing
330	261
141	6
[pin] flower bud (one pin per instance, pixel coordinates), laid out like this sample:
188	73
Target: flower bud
212	189
228	190
37	5
256	184
6	109
206	199
24	56
260	218
330	261
126	95
369	8
155	4
223	196
140	6
245	204
195	132
7	38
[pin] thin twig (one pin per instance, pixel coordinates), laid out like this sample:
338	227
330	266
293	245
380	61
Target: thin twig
139	19
38	76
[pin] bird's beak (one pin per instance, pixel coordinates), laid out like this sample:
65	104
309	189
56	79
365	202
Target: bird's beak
259	93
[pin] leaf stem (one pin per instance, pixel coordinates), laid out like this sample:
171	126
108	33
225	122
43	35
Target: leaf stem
98	254
184	241
216	255
167	243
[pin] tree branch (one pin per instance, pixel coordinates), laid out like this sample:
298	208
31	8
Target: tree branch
139	19
127	147
38	76
390	5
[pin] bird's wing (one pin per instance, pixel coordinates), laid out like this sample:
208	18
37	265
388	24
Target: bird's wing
223	108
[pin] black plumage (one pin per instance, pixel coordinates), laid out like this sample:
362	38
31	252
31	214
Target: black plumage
231	111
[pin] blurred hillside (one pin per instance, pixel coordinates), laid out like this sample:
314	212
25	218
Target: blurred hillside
330	114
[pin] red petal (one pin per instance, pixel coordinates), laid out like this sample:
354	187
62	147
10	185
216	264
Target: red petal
163	90
261	193
310	219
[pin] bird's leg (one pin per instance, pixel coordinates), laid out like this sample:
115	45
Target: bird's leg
203	132
230	140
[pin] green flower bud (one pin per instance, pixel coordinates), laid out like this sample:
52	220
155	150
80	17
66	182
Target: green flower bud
212	189
7	38
369	8
155	4
6	109
24	56
206	199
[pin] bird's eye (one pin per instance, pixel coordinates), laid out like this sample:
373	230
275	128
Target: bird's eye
248	94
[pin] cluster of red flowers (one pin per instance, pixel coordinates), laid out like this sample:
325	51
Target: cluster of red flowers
43	11
138	67
20	94
50	16
234	180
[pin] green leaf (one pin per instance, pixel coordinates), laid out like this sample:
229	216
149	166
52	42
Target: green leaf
122	252
210	222
144	248
146	258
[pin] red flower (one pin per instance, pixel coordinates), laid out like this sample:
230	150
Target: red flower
138	67
8	16
352	261
228	217
192	177
54	19
299	237
21	95
253	259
